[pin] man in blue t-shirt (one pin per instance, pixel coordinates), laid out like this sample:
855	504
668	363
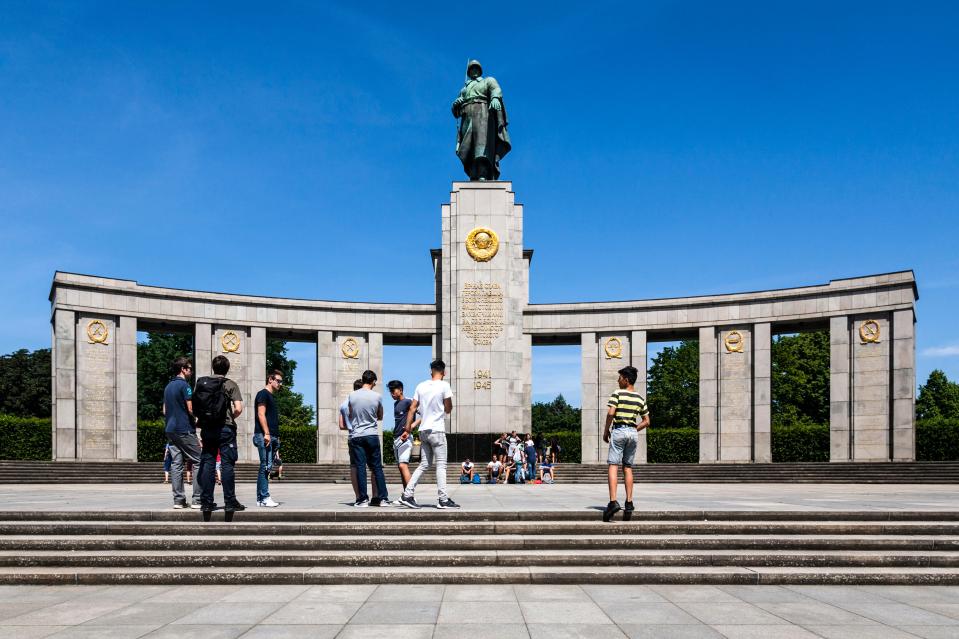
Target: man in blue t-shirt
266	436
180	431
402	448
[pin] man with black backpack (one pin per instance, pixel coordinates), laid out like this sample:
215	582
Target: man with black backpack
217	402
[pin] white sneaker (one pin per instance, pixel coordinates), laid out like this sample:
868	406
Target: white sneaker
267	503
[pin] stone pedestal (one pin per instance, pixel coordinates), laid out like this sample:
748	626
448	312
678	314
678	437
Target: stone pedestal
482	284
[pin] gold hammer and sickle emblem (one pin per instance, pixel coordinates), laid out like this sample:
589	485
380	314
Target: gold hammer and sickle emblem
350	348
869	332
613	348
98	332
230	342
734	342
482	243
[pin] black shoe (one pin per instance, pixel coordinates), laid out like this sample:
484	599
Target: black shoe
207	515
207	508
376	502
612	508
409	502
447	503
234	507
628	511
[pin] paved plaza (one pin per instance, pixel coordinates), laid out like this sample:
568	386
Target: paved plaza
510	498
475	610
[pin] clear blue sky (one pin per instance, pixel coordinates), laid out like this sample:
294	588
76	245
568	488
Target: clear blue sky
660	148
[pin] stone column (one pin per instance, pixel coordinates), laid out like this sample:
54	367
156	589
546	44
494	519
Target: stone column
328	435
483	294
96	388
127	389
256	380
637	350
527	383
202	350
351	356
762	393
234	343
871	397
708	396
904	386
64	401
591	434
840	384
735	395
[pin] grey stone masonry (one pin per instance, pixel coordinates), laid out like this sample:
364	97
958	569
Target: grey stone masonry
482	301
482	324
637	351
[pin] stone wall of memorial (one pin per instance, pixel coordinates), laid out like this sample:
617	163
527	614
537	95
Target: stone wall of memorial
482	285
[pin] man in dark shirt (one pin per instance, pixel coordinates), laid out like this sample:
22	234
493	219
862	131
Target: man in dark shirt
266	436
184	445
402	449
220	437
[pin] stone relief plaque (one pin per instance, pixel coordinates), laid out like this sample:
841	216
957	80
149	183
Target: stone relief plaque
350	348
613	348
482	244
97	332
481	311
734	342
230	342
869	332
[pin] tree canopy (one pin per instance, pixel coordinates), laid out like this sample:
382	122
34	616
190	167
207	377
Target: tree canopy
290	405
673	387
938	397
800	378
557	415
25	383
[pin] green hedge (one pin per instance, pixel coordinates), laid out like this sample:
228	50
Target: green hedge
151	439
25	438
937	440
800	443
672	445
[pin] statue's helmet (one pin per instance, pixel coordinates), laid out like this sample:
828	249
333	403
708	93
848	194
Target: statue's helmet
474	63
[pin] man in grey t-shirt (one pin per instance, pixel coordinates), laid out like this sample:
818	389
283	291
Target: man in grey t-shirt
366	409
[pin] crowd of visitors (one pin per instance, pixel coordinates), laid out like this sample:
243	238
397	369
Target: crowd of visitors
214	403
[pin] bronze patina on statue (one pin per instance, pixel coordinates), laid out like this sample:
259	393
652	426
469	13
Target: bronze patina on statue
482	139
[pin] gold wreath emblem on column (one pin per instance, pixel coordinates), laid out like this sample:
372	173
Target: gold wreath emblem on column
734	342
97	332
350	348
869	332
230	342
482	244
613	348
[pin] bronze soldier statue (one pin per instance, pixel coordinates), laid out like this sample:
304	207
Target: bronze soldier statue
482	139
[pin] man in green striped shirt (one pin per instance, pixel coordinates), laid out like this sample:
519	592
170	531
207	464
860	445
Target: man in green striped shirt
621	433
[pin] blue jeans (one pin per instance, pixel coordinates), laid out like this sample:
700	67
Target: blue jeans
530	469
219	439
266	465
366	450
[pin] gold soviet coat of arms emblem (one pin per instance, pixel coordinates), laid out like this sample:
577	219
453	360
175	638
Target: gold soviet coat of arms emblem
482	243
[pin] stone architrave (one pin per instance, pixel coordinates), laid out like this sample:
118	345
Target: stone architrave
483	294
96	388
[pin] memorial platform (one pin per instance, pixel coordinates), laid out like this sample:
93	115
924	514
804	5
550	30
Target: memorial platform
532	534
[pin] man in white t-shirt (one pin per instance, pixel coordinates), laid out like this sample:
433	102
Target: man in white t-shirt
434	401
492	470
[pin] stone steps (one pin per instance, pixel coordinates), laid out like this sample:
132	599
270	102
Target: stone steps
884	472
386	545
